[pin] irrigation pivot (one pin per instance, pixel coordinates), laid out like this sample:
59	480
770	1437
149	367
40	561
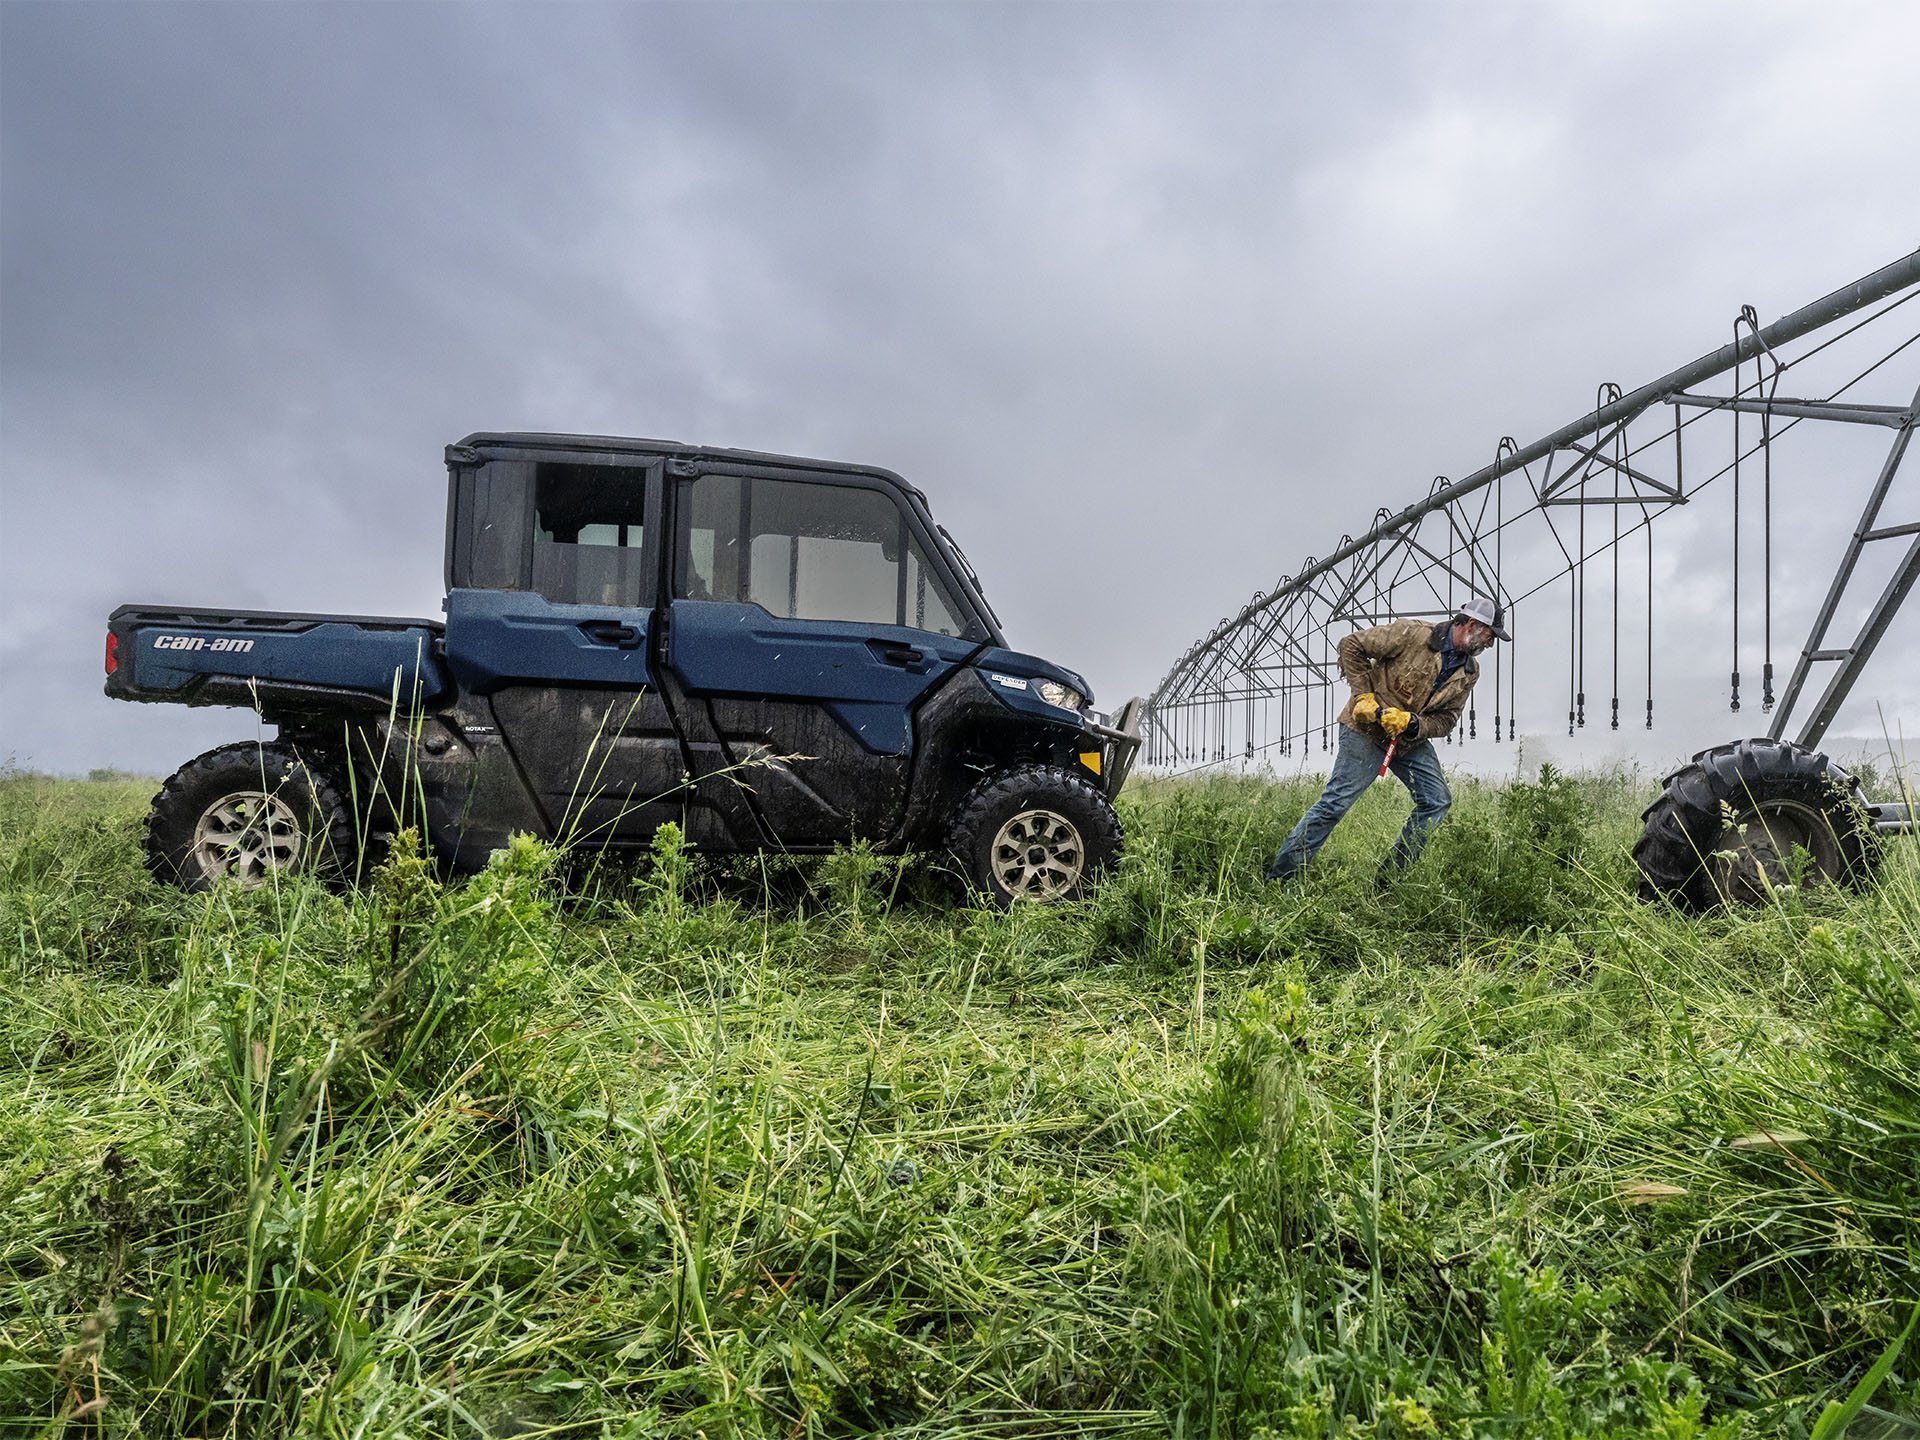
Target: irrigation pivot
1562	532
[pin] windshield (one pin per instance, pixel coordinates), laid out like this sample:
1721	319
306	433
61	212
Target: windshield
973	577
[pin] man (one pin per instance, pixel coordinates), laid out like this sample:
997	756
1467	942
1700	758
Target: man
1410	682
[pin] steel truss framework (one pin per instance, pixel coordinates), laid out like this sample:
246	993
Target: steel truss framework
1264	682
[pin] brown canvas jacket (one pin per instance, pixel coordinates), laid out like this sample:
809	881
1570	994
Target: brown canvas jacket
1399	662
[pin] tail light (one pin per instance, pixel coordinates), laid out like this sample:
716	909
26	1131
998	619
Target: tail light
113	652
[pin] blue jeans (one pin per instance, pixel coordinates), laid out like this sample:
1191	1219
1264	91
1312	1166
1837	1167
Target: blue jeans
1356	765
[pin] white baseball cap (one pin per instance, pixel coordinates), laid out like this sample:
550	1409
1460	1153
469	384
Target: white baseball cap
1478	607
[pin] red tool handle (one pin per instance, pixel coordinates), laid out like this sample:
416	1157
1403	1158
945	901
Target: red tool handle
1387	759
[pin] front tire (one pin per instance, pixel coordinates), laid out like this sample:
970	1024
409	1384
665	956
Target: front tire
246	813
1728	826
1035	833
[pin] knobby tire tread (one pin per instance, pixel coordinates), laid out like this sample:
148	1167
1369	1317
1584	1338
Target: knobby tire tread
1685	822
1032	783
332	843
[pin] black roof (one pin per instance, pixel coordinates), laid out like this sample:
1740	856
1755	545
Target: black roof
672	449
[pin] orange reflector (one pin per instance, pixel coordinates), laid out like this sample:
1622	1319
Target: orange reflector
1091	759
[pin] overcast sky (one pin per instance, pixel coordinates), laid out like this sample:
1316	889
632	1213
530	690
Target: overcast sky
1151	301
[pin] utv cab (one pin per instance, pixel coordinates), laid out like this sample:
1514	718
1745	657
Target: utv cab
773	653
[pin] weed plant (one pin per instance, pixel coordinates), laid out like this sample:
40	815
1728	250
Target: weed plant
807	1148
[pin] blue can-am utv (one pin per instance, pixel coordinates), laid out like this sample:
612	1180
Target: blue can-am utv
773	653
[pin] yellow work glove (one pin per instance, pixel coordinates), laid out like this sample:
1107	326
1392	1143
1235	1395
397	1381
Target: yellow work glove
1366	708
1394	721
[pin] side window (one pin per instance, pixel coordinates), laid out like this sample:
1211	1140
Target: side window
928	607
706	564
824	552
587	532
490	526
807	551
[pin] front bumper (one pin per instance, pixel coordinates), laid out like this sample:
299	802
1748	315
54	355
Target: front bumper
1119	743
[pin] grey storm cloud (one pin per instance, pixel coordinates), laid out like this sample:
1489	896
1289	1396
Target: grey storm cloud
1151	300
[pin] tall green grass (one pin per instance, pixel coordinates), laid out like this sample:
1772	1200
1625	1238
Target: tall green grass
772	1148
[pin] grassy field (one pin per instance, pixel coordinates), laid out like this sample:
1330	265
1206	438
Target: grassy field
807	1150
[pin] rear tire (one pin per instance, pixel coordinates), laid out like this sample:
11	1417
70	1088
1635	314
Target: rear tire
244	813
1035	833
1728	826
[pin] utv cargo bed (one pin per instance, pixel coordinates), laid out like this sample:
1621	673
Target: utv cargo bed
285	664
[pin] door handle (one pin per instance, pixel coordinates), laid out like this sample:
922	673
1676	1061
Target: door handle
611	632
892	652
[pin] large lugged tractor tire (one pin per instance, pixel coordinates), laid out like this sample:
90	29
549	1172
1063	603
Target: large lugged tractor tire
1746	817
1034	833
244	812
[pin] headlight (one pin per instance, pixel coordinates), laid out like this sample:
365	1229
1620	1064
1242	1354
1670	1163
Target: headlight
1054	693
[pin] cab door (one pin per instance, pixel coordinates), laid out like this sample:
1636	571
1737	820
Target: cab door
560	647
805	627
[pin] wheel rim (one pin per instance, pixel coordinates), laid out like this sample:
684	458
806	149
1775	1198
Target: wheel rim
1038	855
246	836
1754	856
